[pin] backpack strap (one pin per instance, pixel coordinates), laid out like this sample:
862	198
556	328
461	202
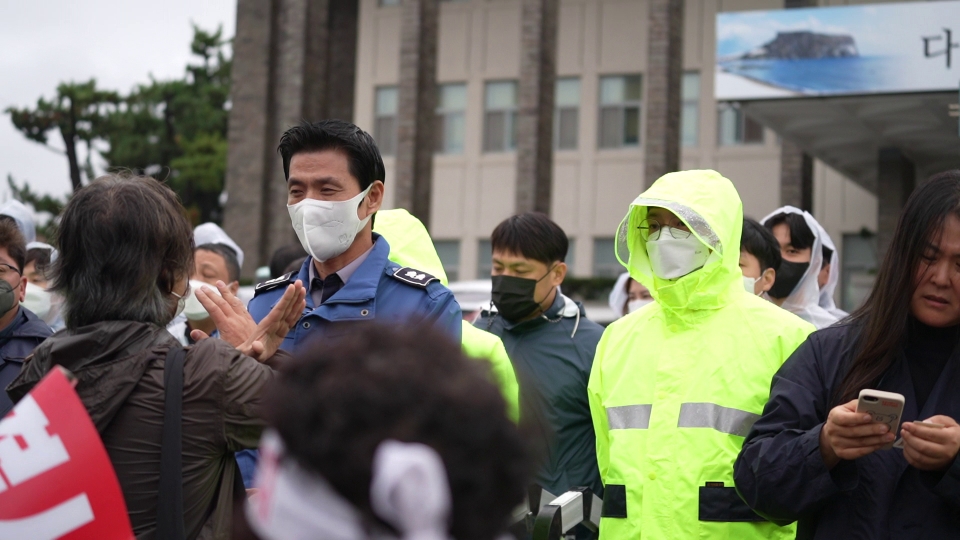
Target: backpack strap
170	493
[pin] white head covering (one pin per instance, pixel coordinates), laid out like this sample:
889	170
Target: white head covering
619	295
43	245
211	233
23	216
826	293
409	490
804	301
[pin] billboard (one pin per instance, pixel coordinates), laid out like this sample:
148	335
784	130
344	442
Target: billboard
843	50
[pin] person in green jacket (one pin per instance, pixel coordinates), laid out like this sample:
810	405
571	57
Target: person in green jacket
410	245
676	386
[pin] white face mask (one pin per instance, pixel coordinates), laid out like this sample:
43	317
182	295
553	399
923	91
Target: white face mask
37	300
749	284
192	308
327	228
673	258
634	305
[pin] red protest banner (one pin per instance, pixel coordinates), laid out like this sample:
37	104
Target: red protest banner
56	480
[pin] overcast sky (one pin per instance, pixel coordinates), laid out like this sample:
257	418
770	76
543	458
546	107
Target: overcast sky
119	42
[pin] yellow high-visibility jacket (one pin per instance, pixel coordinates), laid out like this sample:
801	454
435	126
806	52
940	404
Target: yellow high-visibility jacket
410	245
676	385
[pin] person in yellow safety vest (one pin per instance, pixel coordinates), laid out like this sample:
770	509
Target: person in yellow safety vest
410	245
676	385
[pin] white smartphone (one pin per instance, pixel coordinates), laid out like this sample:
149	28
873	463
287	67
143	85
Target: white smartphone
884	407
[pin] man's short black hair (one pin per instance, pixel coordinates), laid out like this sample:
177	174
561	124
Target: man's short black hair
827	255
12	240
40	257
336	402
283	257
801	237
760	242
531	235
229	259
361	150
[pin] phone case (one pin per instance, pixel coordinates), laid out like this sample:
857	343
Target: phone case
887	409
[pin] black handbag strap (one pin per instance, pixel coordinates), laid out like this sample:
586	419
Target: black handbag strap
170	497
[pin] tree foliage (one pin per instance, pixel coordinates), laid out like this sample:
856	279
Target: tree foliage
174	130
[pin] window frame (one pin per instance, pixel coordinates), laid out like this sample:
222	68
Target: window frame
510	119
622	108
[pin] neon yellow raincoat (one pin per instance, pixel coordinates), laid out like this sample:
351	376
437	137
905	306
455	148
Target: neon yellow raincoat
410	245
676	385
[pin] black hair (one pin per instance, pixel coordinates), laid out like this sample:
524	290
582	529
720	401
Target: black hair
361	150
801	237
284	257
884	317
12	240
229	259
531	235
40	257
827	255
336	402
758	241
125	244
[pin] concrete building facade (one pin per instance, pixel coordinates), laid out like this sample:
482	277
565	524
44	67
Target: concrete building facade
600	123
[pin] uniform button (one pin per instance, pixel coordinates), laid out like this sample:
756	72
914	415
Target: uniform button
306	325
673	328
364	312
661	396
652	476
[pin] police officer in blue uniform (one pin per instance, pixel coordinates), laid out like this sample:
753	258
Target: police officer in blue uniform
335	186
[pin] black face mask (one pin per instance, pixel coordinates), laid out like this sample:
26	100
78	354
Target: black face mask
788	275
513	296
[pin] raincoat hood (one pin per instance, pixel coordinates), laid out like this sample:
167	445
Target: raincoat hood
24	218
826	293
804	301
410	243
710	206
211	233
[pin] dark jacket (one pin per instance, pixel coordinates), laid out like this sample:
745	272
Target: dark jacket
781	474
553	362
27	331
119	368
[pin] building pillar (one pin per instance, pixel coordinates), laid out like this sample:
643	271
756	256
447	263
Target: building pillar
664	79
293	60
796	177
896	178
538	75
796	166
417	105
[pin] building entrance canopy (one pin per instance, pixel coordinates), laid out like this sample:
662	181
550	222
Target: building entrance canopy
848	132
844	82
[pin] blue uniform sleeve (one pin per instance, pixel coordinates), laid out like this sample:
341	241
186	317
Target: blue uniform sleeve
779	472
446	315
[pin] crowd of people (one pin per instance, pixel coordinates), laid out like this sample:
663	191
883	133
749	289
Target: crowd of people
350	398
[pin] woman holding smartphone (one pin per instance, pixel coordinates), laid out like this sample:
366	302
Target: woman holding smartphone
812	458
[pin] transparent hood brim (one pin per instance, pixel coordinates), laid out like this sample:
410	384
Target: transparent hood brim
691	217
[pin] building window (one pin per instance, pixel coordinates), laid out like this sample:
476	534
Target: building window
605	263
690	109
736	127
449	252
620	111
389	2
451	118
484	259
500	117
385	120
566	122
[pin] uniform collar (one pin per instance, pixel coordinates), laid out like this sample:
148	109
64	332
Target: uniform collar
363	281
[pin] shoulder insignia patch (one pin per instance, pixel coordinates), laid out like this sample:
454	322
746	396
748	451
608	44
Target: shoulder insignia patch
272	284
414	277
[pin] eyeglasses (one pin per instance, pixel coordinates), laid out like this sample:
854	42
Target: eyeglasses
650	230
6	270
